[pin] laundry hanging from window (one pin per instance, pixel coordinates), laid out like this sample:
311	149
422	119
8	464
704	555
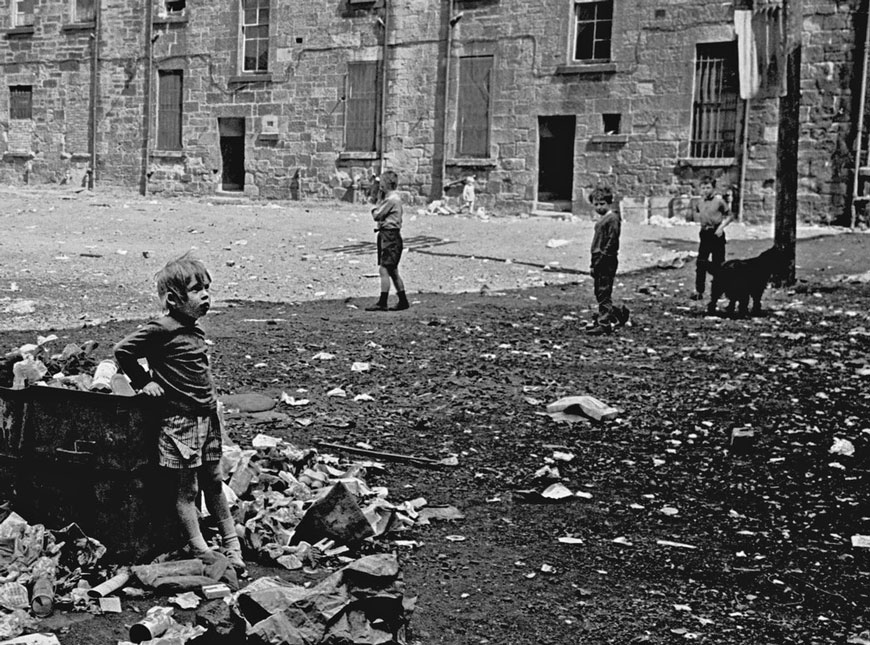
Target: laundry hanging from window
761	49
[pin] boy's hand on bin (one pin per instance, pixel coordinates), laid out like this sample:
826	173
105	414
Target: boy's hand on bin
152	389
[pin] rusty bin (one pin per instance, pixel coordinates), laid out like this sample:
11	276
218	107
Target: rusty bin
71	456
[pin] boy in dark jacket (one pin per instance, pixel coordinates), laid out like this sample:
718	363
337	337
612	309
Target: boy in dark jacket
605	252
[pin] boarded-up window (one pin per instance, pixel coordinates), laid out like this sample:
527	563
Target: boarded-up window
475	80
714	109
361	117
20	102
22	14
593	30
255	35
84	11
169	110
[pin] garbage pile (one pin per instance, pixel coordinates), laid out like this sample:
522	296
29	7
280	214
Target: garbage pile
295	508
76	367
40	568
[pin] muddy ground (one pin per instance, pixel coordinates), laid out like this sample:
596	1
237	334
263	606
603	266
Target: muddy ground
763	552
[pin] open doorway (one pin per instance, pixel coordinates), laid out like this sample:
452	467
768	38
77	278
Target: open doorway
232	133
556	160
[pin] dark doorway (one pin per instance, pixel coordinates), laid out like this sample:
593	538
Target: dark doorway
556	158
232	133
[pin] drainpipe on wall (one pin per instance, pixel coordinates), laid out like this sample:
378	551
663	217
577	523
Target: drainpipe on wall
95	90
383	146
445	132
744	153
146	91
862	101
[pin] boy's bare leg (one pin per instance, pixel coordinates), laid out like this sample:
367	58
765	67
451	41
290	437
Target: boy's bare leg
210	480
393	273
381	304
185	507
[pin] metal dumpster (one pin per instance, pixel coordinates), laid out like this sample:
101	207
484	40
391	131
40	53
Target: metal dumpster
70	456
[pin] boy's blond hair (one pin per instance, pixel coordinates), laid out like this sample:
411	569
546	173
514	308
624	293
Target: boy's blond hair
176	276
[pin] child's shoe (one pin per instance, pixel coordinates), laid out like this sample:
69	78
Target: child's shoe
622	315
599	330
400	306
238	563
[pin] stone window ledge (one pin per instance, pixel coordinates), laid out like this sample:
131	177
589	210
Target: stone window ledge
586	68
472	162
78	26
168	154
170	19
608	138
358	155
26	30
13	154
250	78
708	162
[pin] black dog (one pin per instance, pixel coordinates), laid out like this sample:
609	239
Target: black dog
740	279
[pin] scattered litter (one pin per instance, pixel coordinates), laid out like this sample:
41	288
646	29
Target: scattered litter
570	540
359	366
323	356
622	541
861	541
337	391
587	406
678	545
110	605
842	447
188	599
455	538
556	243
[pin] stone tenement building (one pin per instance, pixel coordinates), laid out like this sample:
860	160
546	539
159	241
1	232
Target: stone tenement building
540	100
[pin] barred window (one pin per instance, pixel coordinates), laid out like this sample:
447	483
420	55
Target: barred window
362	106
255	36
475	86
169	93
714	109
20	102
593	30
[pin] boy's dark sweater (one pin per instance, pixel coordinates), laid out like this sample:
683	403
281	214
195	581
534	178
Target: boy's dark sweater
605	241
177	357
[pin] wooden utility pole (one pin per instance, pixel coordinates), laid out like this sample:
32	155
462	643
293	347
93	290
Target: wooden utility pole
788	136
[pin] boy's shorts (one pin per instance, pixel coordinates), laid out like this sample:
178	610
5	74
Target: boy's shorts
188	442
389	247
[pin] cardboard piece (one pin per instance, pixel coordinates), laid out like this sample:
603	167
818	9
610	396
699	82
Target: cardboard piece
584	405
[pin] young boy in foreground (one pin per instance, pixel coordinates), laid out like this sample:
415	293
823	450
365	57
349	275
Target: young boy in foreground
605	260
189	444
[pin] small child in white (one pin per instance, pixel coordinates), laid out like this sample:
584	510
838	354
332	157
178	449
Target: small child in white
189	444
468	196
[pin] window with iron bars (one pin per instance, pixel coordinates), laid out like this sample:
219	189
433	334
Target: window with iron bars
714	106
255	36
169	109
20	102
593	30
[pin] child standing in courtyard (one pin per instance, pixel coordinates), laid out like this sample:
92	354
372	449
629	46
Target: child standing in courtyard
714	214
388	216
189	444
605	260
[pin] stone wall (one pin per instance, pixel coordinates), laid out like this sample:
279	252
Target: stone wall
294	120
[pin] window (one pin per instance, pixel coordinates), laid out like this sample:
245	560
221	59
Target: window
22	13
255	36
169	93
475	79
20	102
83	11
362	106
714	109
593	29
175	6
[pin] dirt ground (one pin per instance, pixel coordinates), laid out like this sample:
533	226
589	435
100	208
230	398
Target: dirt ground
677	538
